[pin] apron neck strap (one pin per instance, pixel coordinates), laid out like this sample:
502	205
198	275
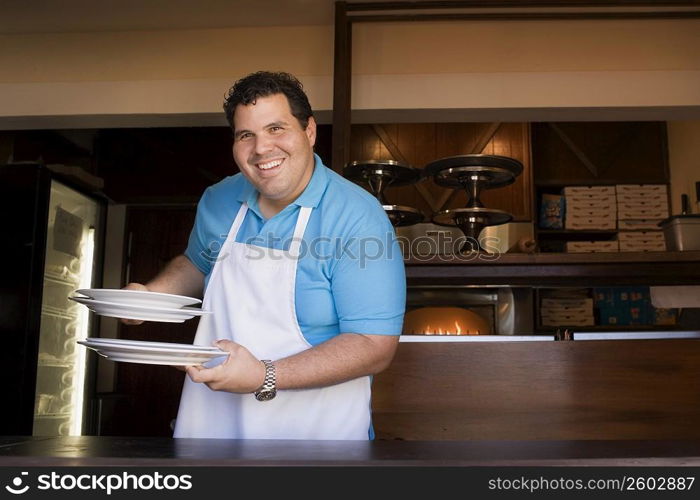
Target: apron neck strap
299	229
238	221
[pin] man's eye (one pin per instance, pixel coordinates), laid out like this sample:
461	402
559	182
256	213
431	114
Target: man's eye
276	129
244	136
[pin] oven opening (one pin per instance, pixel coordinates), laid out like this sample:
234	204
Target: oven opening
464	310
436	320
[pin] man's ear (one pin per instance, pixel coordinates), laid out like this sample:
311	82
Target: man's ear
311	131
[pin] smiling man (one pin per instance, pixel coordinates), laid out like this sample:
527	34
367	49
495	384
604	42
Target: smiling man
304	277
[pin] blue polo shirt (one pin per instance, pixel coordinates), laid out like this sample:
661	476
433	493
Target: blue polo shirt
350	276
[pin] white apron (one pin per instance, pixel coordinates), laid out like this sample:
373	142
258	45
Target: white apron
251	296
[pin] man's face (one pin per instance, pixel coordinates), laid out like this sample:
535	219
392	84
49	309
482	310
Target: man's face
271	148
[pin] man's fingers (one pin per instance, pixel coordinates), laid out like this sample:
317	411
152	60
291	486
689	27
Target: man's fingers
202	375
136	286
139	287
131	321
225	345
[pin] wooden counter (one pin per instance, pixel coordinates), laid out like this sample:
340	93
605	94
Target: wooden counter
101	451
548	390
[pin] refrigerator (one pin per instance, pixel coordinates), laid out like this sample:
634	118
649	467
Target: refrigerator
52	235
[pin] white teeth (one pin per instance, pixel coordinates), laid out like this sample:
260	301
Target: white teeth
268	165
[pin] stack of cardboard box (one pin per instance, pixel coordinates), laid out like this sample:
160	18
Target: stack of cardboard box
592	246
640	207
591	208
566	308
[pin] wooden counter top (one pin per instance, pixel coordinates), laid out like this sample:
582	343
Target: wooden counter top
100	451
557	269
556	258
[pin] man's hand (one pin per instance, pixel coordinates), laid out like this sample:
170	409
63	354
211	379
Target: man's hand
134	286
179	277
241	372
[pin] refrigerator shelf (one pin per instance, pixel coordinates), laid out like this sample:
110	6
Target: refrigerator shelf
52	416
62	273
51	364
58	313
59	280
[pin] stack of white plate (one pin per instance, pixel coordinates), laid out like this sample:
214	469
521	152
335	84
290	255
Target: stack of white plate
139	305
152	353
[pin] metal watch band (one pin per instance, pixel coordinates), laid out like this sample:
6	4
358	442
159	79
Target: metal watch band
268	390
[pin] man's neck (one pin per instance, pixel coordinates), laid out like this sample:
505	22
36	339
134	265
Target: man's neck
270	208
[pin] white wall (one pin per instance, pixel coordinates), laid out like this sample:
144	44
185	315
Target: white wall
455	71
437	71
684	158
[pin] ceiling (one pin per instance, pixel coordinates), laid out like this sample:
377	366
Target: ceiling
64	16
60	16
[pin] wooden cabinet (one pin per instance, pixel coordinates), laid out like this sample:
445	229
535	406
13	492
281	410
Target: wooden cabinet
605	389
594	154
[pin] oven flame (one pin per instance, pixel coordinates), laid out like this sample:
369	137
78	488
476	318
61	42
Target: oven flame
458	330
440	320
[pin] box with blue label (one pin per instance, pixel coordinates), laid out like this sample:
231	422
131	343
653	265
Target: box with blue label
634	315
624	306
552	211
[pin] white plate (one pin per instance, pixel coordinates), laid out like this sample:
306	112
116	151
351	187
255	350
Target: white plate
157	348
149	344
155	361
129	311
138	297
176	356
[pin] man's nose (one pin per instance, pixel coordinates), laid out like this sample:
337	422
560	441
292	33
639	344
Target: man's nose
263	144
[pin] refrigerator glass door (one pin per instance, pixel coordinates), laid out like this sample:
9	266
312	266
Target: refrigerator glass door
70	261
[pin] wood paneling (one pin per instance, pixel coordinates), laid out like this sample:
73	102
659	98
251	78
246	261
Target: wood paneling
150	394
171	165
342	79
163	165
634	389
421	143
600	152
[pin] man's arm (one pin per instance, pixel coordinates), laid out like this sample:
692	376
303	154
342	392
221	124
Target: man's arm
344	357
368	294
179	277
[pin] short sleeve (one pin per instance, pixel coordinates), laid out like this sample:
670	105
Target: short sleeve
201	249
368	281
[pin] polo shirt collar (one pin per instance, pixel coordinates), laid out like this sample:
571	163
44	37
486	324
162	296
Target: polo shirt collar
310	197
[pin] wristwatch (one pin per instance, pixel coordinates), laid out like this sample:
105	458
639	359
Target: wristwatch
268	390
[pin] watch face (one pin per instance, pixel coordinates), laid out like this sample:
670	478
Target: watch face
266	395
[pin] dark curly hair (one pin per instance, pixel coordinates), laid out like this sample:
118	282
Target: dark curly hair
266	83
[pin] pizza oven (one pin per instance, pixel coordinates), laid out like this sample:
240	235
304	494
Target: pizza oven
465	310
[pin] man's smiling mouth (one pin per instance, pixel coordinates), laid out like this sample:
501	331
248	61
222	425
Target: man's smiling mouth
270	164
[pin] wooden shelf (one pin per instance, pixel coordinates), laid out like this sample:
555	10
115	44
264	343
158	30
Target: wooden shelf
610	328
557	269
576	231
576	234
555	183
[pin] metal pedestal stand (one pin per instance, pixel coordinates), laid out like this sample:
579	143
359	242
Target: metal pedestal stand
377	175
473	173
